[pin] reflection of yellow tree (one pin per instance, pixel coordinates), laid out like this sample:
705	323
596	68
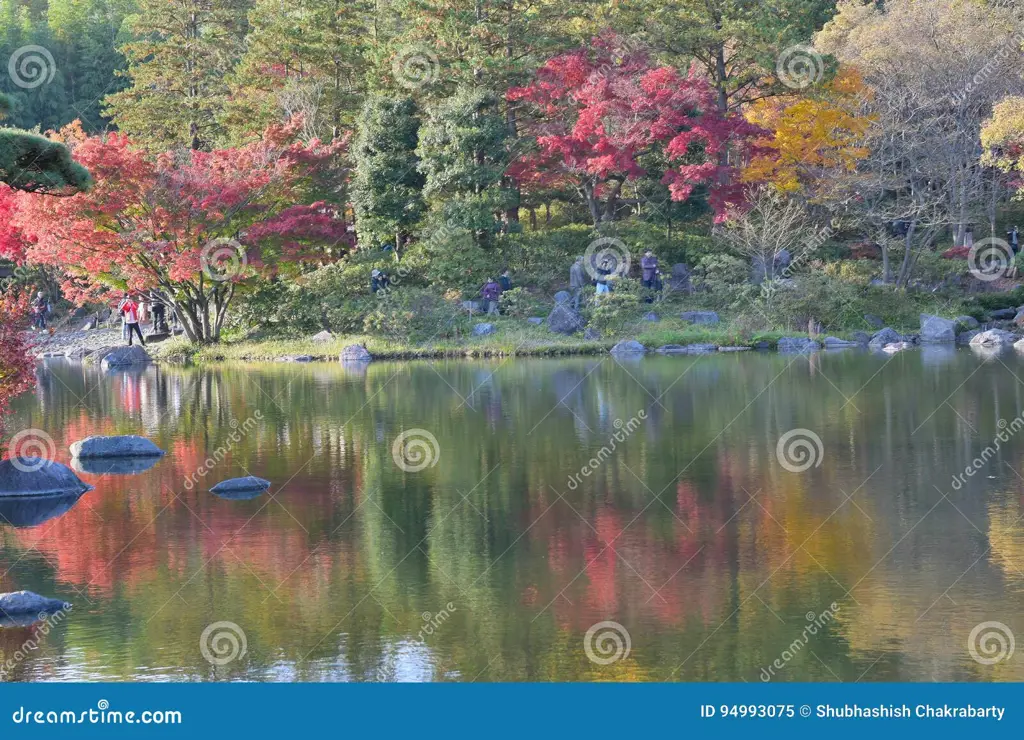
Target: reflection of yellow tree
1006	537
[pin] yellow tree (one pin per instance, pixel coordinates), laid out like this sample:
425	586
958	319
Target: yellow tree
810	137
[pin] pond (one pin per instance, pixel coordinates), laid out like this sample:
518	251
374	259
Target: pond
736	517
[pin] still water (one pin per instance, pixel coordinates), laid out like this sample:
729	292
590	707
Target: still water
559	494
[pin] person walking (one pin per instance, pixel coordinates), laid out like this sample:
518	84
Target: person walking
1014	238
577	279
159	315
491	292
129	310
649	273
505	280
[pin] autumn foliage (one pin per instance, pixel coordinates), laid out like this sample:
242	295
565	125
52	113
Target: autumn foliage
15	364
600	110
189	224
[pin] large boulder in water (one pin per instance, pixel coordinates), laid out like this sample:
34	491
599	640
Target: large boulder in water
993	338
19	605
883	337
937	329
628	347
36	476
355	353
128	445
31	511
564	320
125	357
246	487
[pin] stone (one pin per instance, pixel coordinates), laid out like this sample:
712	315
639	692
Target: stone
591	334
797	345
967	336
1019	345
651	317
1002	313
31	511
680	279
90	324
965	323
733	349
628	347
245	485
78	353
861	337
883	337
535	320
1018	319
896	347
355	353
129	445
37	476
563	320
295	358
322	337
873	321
936	329
700	317
483	330
688	349
562	296
837	343
993	338
26	604
125	357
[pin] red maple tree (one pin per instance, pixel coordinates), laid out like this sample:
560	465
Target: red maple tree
190	226
600	110
15	364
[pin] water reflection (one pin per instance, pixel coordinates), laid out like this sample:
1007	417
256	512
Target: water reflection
691	534
31	511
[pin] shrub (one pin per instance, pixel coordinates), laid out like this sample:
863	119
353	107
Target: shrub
415	314
520	304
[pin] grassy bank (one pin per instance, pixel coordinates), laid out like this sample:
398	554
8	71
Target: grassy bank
512	338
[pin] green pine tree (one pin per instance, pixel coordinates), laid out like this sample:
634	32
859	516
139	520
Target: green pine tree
388	186
35	164
179	65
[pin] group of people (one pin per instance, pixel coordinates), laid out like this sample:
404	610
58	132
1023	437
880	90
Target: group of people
132	310
605	273
492	290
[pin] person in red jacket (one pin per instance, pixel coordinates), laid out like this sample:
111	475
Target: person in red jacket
129	309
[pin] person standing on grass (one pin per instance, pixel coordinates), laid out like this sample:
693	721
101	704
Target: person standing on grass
505	280
40	307
648	272
491	292
129	309
577	279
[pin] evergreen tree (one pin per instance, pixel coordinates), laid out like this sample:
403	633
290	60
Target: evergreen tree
388	185
464	158
302	56
179	63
